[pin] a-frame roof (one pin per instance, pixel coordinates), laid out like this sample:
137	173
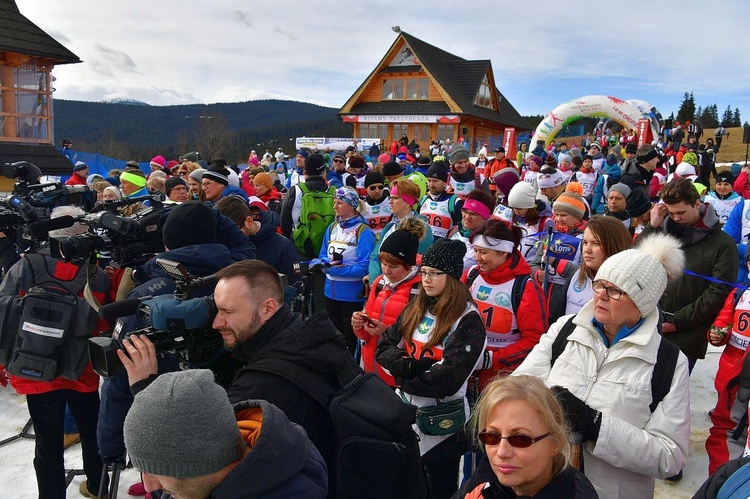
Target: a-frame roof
458	78
18	34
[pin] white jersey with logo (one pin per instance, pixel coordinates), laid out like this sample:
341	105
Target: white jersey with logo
587	180
496	309
377	216
438	215
723	207
578	294
461	189
343	242
415	348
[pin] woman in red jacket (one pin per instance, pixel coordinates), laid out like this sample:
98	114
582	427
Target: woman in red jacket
391	291
509	301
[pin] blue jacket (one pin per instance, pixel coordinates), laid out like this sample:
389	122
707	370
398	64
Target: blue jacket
349	290
598	203
275	249
733	227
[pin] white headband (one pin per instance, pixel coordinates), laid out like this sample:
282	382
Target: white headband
493	244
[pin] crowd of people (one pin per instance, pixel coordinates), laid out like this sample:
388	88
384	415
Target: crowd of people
543	315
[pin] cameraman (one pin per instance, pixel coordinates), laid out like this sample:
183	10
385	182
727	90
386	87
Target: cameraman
256	325
47	400
191	237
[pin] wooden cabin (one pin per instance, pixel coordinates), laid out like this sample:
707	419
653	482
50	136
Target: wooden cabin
426	93
27	56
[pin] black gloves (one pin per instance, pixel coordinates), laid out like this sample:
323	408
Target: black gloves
409	367
582	418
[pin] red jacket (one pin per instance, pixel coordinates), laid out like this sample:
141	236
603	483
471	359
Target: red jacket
384	305
740	185
76	179
531	319
20	278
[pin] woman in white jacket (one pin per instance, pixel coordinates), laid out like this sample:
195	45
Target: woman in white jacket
603	375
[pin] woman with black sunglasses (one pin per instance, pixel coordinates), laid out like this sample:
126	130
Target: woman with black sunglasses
521	427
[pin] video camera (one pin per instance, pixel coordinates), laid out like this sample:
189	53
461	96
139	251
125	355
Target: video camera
173	323
28	209
130	240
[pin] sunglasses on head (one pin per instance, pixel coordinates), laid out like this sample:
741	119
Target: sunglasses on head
519	441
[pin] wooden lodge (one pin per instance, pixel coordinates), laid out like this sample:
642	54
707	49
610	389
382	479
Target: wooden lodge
27	56
426	93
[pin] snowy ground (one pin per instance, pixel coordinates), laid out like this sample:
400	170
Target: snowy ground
17	479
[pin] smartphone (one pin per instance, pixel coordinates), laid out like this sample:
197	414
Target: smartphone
367	318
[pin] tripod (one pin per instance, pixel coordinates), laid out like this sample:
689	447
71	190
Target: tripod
24	433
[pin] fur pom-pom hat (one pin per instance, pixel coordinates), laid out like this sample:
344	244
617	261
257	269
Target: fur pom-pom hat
644	271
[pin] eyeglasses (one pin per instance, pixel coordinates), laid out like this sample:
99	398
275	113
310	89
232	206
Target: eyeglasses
376	187
206	183
338	161
519	441
430	275
612	291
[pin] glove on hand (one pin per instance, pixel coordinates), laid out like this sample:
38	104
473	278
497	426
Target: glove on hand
582	418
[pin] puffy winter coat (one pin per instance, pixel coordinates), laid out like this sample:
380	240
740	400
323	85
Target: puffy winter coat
384	304
634	445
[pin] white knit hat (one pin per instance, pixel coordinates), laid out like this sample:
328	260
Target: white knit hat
643	272
522	196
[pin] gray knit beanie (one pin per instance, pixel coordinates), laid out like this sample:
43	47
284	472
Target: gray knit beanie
182	426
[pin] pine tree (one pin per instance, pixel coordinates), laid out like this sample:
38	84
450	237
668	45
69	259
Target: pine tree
736	121
698	113
726	118
687	108
707	117
715	115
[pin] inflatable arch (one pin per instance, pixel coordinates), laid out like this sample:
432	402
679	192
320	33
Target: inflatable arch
601	106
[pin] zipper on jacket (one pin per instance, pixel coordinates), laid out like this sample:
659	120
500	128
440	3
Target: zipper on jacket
596	375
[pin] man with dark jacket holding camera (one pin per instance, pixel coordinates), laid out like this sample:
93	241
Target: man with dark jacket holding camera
191	238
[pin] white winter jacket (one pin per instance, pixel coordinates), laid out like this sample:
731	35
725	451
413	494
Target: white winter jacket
634	445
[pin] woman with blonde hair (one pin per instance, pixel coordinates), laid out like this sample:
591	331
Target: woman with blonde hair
522	429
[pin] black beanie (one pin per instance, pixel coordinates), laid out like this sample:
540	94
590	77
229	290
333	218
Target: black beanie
315	164
173	182
637	203
193	222
217	173
392	168
403	245
374	178
439	171
446	255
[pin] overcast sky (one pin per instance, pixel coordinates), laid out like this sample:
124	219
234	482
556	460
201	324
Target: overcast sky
543	53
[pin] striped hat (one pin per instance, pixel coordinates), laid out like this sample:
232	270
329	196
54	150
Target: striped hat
571	203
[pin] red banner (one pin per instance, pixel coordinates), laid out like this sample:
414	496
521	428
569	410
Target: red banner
645	136
509	142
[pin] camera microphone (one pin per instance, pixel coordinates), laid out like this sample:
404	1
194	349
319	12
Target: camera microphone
122	308
43	227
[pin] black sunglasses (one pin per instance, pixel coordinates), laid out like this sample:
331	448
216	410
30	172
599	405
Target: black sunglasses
519	441
338	161
373	187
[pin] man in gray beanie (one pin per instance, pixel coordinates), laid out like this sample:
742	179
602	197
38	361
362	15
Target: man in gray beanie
189	441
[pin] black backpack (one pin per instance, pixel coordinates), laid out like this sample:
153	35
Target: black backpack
661	376
43	334
377	452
